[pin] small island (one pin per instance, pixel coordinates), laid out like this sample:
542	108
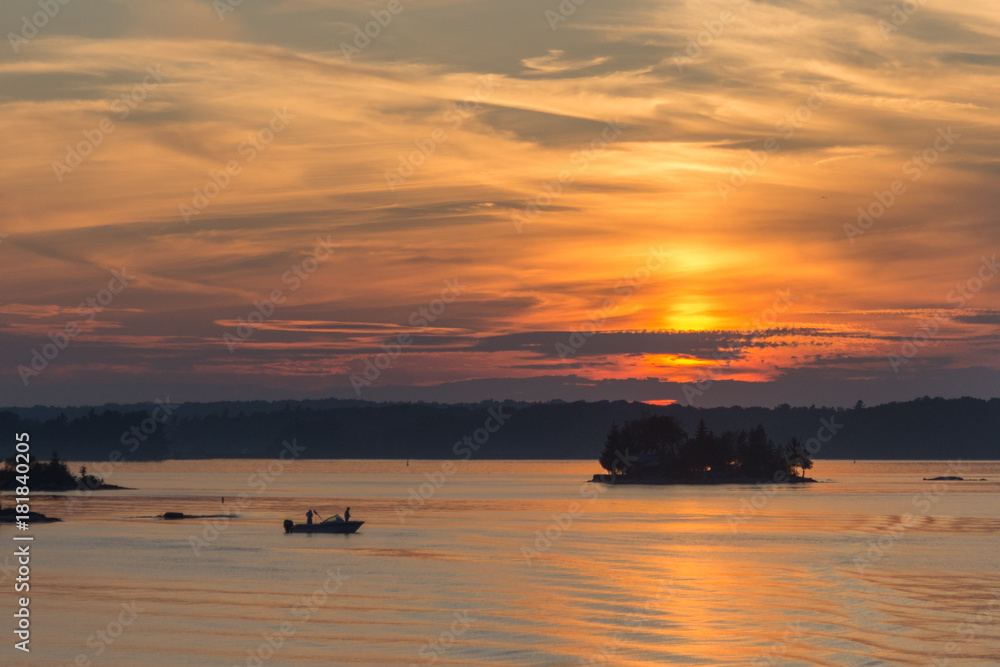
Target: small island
10	515
656	450
51	476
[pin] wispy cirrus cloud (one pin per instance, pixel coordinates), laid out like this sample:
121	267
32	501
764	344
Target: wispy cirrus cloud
411	96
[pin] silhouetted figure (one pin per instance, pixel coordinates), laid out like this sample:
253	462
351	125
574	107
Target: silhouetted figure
347	514
309	518
288	526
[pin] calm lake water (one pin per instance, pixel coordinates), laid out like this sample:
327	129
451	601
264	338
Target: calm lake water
515	563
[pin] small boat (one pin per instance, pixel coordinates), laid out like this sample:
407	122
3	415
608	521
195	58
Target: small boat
334	524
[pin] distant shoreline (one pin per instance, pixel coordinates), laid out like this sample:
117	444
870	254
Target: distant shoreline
415	459
532	430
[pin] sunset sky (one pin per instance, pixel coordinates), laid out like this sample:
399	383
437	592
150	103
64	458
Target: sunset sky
486	184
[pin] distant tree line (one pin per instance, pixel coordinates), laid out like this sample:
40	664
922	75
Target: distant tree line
92	435
927	428
658	448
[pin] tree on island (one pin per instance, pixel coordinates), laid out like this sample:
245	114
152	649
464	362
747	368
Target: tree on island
797	456
54	474
707	452
614	457
88	481
657	448
51	476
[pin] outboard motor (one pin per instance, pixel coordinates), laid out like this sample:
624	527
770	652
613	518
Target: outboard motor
288	526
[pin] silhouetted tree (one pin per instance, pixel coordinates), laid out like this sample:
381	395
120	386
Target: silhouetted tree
797	456
698	453
56	474
614	457
90	481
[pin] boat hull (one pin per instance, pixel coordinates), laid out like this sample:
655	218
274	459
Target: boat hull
341	527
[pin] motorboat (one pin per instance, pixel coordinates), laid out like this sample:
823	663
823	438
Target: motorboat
334	524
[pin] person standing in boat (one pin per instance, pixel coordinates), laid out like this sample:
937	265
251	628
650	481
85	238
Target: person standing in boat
309	517
347	514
